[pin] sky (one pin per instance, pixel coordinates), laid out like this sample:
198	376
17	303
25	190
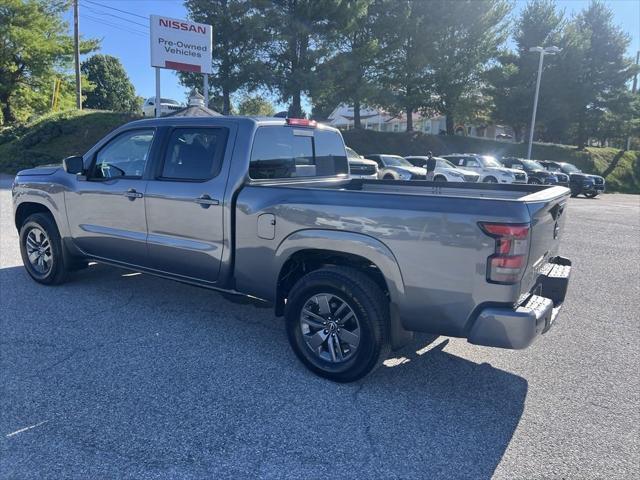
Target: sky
125	35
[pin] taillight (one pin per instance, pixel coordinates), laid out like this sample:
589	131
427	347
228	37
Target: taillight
509	261
301	122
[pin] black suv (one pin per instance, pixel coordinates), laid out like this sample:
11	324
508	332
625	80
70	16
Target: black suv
579	183
536	173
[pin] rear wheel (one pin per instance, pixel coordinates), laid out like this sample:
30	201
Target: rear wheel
440	178
388	177
41	249
591	194
490	180
337	320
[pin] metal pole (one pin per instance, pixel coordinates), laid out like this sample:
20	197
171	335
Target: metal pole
157	102
76	40
205	87
633	90
535	106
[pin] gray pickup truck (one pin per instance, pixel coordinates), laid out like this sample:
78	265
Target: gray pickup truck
265	207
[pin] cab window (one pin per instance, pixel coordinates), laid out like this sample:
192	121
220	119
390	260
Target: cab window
124	156
289	152
194	154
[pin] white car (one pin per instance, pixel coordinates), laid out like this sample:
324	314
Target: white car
489	169
395	167
360	167
445	170
167	106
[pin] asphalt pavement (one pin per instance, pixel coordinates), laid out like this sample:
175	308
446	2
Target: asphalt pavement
121	375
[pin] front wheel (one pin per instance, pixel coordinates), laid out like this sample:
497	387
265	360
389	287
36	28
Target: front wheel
41	250
591	194
490	180
440	178
337	320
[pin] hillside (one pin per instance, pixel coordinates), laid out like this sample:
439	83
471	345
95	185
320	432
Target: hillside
53	137
622	173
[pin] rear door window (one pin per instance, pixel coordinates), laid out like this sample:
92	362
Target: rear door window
194	154
289	152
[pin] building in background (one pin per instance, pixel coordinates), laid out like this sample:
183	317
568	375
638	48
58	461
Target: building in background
380	120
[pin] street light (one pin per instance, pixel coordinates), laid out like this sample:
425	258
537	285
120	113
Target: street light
543	51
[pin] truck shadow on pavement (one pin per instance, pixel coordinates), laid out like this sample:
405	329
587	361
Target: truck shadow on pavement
142	377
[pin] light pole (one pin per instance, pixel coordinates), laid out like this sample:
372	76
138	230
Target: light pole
543	51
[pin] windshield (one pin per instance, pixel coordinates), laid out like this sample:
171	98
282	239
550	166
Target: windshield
568	168
394	161
352	154
442	163
532	165
489	161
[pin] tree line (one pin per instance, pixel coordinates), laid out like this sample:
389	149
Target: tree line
466	59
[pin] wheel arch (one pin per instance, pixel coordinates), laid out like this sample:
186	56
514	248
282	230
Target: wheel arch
309	250
25	209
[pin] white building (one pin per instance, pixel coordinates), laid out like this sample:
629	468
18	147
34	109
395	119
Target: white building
381	121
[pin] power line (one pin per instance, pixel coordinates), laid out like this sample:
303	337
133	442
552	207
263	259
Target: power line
96	11
116	9
102	21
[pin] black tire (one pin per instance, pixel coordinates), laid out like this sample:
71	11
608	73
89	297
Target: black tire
56	273
369	304
388	177
591	194
490	180
534	181
439	178
574	194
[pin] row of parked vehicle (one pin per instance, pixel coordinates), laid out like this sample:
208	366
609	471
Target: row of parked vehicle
472	167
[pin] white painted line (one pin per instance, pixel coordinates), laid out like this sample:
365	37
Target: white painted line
25	429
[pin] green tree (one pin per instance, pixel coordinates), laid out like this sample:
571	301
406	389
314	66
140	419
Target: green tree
512	81
348	77
112	89
258	106
598	66
402	68
34	48
297	41
238	36
465	36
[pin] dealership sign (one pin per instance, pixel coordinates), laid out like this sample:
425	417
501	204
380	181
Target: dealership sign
180	45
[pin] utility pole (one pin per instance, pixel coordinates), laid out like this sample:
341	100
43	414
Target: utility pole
76	47
543	52
634	89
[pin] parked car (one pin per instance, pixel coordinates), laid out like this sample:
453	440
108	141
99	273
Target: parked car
167	106
360	167
395	167
266	208
489	169
445	170
579	183
536	173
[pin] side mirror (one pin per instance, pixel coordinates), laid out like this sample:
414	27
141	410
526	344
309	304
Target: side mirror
73	165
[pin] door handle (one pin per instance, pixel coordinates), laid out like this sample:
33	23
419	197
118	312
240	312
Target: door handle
132	194
205	201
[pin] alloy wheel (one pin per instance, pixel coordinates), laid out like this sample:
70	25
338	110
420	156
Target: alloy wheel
39	250
330	327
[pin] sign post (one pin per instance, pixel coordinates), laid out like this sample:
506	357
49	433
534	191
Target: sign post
158	100
180	45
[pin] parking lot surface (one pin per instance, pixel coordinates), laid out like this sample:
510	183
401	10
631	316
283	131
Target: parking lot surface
121	375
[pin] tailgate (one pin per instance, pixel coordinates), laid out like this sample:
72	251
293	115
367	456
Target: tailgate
547	209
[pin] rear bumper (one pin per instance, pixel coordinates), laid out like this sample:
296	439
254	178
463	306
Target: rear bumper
518	327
